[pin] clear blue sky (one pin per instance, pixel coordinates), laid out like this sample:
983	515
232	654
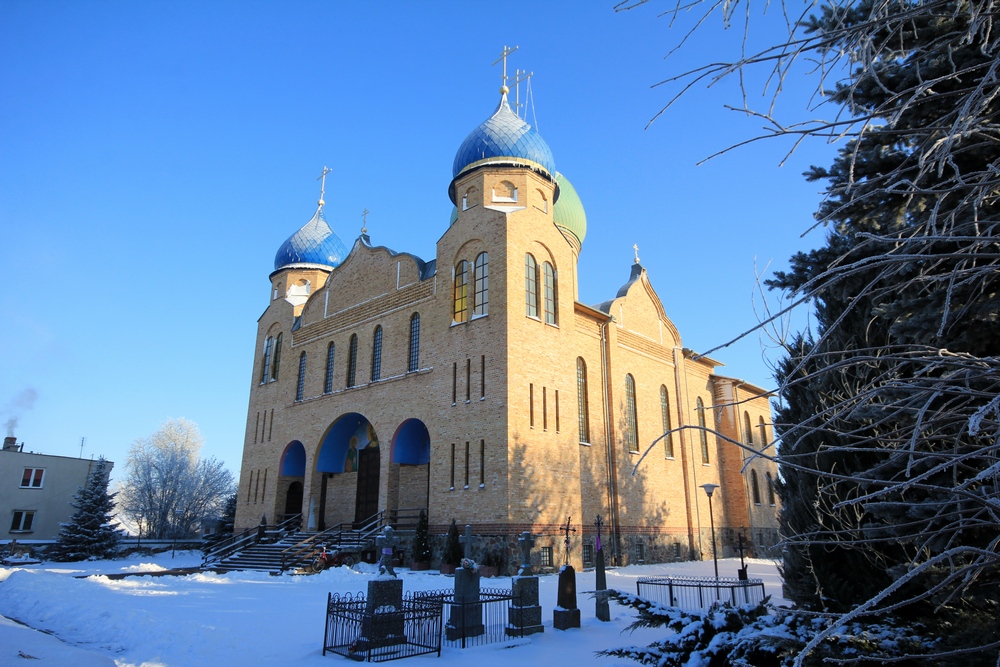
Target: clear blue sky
154	155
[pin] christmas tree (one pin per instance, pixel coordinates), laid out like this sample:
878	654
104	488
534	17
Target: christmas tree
89	533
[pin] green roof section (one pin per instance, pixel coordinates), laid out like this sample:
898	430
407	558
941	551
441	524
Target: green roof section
568	212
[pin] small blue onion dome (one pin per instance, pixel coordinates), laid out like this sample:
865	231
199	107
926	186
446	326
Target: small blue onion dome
568	212
503	135
315	243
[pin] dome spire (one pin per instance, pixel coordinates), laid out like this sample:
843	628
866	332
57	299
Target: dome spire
503	58
322	185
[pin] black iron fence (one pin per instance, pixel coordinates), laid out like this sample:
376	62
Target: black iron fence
691	594
484	620
357	631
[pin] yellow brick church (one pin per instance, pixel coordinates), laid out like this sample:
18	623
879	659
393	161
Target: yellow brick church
477	386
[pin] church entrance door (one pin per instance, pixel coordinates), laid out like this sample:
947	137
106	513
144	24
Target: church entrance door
293	499
366	500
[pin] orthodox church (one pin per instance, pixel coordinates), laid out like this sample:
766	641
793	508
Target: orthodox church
477	386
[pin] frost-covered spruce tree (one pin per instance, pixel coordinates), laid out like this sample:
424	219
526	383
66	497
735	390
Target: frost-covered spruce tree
89	533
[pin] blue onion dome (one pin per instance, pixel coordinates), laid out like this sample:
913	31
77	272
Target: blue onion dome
316	243
504	139
568	211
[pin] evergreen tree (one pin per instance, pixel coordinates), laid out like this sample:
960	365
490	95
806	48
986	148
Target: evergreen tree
227	523
452	547
421	540
89	533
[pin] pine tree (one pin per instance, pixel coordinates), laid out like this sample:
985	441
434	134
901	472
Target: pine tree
452	547
421	540
89	533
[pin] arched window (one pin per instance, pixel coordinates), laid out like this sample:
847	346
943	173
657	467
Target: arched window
530	286
762	429
755	487
702	433
583	421
414	362
277	359
352	360
301	386
460	311
377	354
632	424
481	285
668	442
550	294
265	368
770	489
328	381
747	430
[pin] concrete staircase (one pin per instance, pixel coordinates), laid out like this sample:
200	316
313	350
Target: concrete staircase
265	557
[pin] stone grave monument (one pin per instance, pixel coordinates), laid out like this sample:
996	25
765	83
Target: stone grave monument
384	605
566	615
466	617
525	614
603	612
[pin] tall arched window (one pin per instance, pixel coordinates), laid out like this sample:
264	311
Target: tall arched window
747	430
631	416
481	284
755	487
328	381
352	360
702	433
414	356
582	405
377	354
277	359
550	294
530	286
265	367
770	489
762	430
460	310
668	442
300	388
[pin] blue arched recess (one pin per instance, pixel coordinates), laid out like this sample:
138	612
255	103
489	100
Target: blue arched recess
336	442
411	444
293	460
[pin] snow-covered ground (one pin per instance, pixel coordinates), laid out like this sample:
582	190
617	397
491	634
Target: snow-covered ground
255	619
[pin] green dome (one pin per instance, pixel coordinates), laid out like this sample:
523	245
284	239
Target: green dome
454	216
568	212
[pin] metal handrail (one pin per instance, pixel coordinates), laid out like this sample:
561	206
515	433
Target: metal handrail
235	543
334	535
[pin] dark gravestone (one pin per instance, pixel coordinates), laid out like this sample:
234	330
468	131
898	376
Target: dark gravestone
566	615
383	622
603	611
466	617
524	616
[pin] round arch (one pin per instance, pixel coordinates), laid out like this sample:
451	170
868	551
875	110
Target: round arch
411	444
293	460
338	448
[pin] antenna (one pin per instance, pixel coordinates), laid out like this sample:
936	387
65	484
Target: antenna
519	76
322	185
503	58
82	440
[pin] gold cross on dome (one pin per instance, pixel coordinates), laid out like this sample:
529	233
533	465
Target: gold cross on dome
635	247
364	221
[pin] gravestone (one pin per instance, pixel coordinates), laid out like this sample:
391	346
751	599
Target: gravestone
383	623
387	541
566	615
524	616
466	617
603	611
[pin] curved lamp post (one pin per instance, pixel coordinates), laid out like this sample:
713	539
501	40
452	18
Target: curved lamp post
709	490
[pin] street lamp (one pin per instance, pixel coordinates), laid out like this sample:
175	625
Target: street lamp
709	490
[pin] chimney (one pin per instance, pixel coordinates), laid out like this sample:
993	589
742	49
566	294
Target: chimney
10	444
